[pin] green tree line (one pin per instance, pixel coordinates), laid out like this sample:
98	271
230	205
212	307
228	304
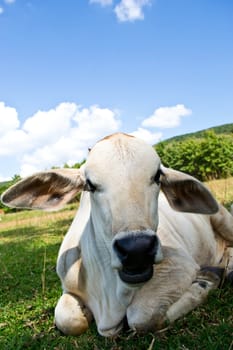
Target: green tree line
207	158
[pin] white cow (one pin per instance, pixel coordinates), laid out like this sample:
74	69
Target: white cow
131	255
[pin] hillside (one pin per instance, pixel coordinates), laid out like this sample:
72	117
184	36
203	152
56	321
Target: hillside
226	129
206	154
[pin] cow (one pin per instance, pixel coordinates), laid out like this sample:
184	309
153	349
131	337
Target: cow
147	244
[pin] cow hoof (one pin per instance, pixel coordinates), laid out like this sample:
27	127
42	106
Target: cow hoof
70	317
219	271
213	274
230	278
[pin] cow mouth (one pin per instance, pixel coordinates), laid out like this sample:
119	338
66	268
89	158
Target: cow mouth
135	276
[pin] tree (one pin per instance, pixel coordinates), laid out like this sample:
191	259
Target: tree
209	157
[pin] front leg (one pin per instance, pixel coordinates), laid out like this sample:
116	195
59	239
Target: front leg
174	290
72	317
171	280
206	280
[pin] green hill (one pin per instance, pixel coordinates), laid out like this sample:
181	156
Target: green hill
206	154
226	129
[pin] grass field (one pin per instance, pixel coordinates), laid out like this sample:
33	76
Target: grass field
30	288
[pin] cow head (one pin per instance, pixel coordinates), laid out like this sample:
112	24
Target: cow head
123	176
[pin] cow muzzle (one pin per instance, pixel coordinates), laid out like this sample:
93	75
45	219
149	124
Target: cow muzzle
137	252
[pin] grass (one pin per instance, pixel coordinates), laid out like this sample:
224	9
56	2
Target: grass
30	288
223	190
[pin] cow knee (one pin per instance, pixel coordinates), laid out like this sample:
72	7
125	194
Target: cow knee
71	317
144	320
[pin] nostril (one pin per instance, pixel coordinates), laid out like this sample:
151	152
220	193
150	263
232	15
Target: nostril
136	253
120	249
136	249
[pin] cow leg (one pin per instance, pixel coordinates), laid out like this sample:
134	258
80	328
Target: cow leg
172	278
71	316
210	277
207	279
177	287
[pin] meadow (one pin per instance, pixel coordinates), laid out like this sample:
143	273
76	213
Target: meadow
30	288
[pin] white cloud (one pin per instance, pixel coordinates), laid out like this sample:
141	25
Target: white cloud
147	135
126	10
9	1
44	127
98	121
47	126
14	142
65	150
167	117
130	10
102	2
63	135
1	10
8	118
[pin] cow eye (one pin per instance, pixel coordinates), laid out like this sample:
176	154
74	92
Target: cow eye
89	186
156	178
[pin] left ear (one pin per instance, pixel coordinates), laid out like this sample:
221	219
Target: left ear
186	194
48	190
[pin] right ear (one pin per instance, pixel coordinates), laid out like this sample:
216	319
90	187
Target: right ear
186	194
49	190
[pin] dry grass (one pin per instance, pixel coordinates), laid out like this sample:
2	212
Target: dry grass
34	218
222	190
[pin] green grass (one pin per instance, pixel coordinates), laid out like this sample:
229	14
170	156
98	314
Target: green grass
30	288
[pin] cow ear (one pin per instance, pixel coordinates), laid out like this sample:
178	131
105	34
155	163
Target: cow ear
186	194
49	190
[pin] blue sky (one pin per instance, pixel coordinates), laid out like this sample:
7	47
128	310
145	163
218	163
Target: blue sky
73	71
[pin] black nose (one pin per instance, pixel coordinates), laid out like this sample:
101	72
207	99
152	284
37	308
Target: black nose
136	251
